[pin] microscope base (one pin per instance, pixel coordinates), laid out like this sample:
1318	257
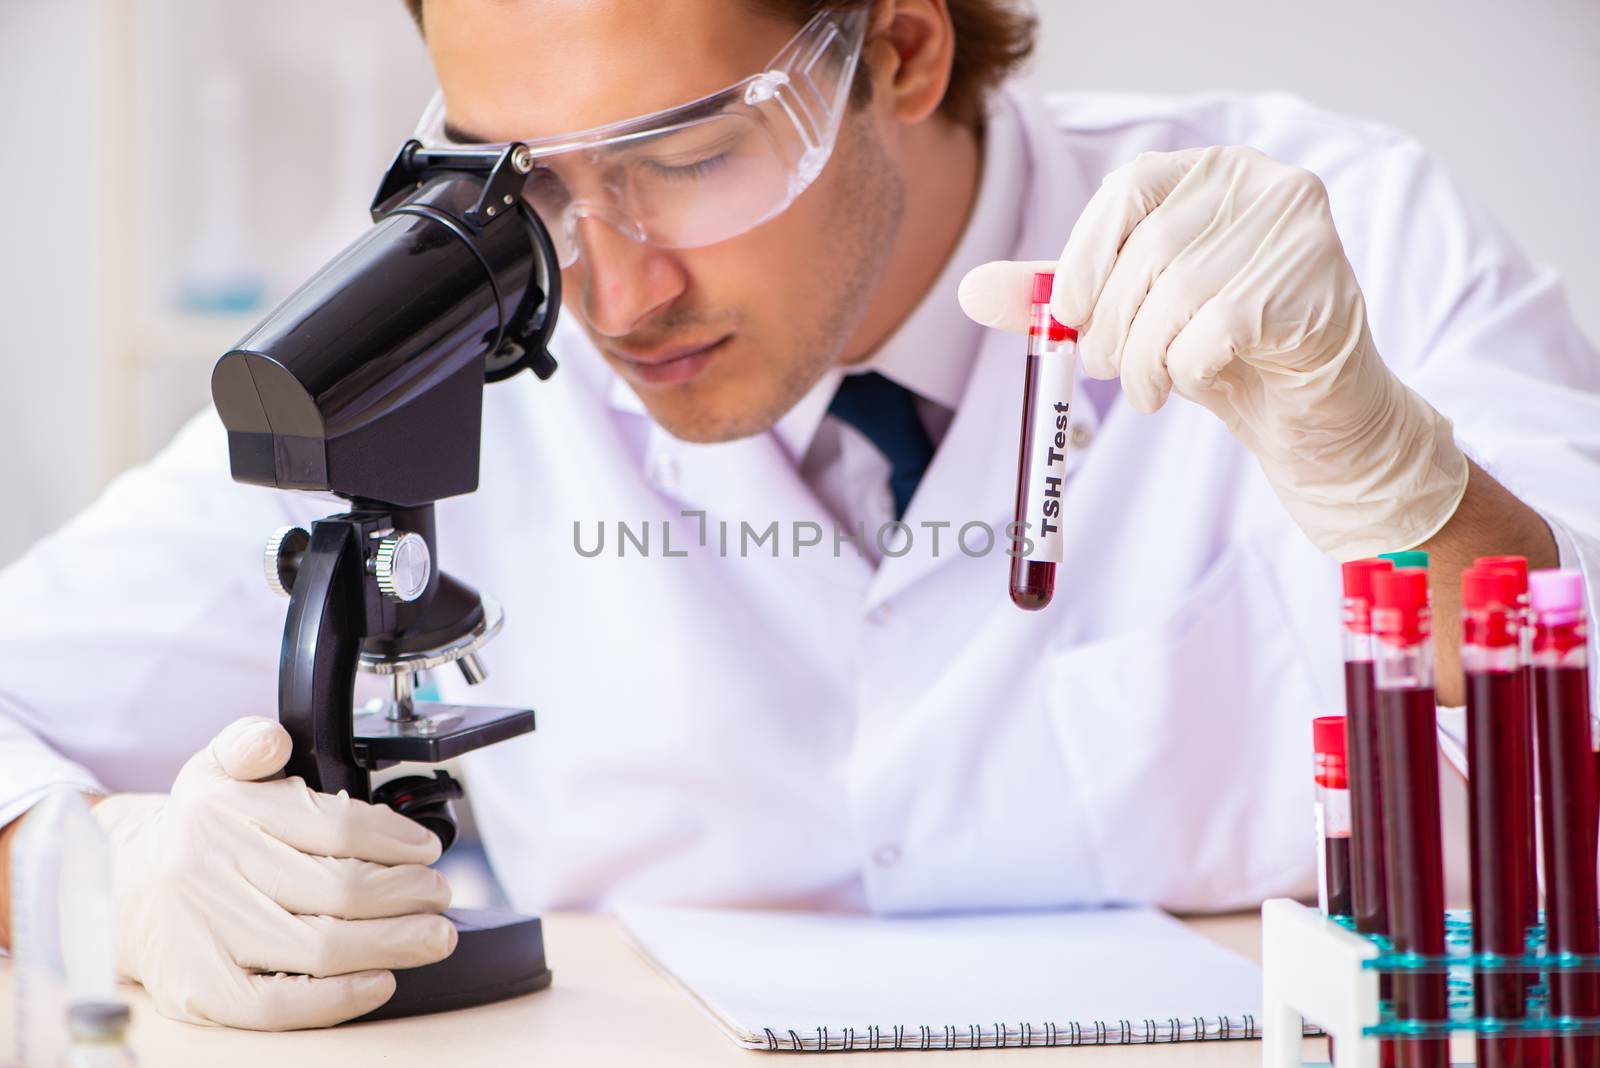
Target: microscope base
499	955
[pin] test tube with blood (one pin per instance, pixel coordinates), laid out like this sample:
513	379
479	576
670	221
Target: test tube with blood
1412	836
1567	791
1036	542
1369	896
1516	567
1361	726
1498	787
1333	816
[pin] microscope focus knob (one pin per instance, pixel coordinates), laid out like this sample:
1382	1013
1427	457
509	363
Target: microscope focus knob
402	566
285	549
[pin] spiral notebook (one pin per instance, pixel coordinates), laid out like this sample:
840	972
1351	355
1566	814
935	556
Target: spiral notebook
808	981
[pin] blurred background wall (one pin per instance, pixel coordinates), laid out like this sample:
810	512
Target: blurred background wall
171	167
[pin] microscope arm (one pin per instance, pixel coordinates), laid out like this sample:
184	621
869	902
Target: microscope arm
321	644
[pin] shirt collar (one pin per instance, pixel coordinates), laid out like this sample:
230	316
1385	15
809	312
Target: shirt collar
932	352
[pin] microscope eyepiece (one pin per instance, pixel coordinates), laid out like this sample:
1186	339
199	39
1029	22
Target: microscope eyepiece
367	381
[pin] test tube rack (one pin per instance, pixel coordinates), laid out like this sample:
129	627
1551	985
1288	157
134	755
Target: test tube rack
1319	970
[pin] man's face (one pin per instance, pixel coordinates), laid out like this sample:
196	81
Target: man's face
718	342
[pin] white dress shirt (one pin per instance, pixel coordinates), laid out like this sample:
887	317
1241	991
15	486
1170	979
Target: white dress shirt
931	353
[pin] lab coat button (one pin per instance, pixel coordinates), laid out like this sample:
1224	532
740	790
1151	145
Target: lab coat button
664	471
887	856
1081	436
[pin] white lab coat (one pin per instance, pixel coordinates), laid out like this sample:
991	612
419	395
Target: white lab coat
807	730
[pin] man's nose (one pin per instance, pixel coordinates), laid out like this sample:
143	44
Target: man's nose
623	282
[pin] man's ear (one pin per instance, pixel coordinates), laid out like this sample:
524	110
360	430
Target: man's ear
911	45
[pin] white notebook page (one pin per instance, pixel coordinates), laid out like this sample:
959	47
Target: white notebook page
788	980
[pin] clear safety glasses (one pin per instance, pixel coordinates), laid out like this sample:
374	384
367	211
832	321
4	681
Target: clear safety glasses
704	171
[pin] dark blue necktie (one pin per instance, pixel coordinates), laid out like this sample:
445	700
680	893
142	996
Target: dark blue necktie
885	413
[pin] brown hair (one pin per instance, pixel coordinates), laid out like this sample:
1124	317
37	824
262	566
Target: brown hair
993	37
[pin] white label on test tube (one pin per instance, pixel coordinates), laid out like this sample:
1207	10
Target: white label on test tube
1052	353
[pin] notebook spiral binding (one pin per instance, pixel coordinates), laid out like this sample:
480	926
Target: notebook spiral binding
1000	1036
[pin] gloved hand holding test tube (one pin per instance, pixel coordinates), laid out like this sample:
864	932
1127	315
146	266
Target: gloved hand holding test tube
1036	545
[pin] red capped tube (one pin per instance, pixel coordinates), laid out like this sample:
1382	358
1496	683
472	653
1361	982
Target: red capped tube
1036	542
1517	568
1332	815
1368	895
1413	842
1499	801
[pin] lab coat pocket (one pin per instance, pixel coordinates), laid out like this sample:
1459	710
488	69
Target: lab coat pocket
1189	744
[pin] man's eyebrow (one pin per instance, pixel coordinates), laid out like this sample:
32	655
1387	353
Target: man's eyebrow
463	137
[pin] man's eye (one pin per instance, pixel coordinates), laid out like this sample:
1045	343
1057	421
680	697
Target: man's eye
685	172
543	177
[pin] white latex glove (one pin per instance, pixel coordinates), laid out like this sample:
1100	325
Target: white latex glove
227	883
1217	273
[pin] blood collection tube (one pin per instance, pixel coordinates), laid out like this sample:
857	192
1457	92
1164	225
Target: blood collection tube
1333	816
1369	895
1361	743
1516	567
1042	458
1567	791
1498	786
1413	845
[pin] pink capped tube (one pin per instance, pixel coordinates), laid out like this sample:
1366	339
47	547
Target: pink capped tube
1567	787
1036	544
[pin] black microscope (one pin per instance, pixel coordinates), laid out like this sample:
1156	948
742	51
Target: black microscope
367	382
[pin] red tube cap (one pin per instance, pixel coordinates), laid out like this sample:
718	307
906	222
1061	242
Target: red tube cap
1327	735
1043	282
1400	605
1484	587
1357	575
1517	565
1327	739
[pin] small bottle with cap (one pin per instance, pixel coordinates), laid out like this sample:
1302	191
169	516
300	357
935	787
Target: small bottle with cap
99	1039
1567	787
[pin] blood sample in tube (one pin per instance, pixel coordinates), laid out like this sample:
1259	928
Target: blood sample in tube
1036	545
1567	790
1332	815
1498	789
1413	840
1368	895
1517	568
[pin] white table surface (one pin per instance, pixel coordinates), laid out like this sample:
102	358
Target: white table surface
607	1007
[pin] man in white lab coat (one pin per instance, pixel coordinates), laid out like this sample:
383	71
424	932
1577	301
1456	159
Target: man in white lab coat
819	718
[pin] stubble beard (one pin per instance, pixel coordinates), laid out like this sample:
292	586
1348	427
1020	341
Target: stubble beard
863	228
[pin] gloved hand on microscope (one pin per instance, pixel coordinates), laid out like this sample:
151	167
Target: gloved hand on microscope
240	875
